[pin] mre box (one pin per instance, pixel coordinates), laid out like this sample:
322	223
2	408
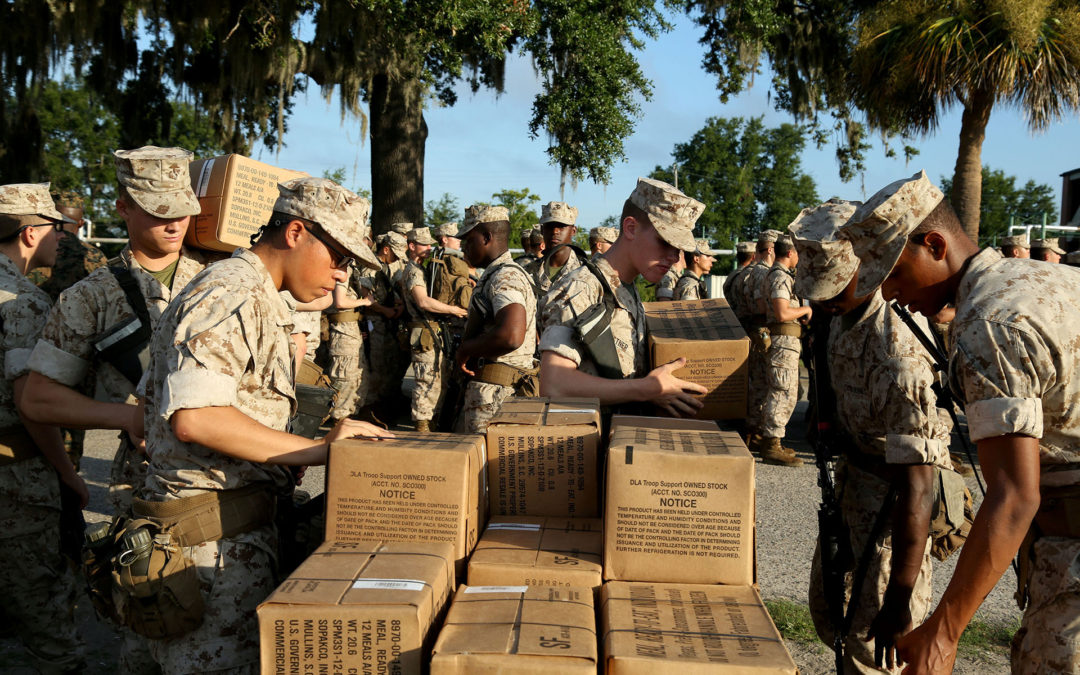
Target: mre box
237	196
413	487
532	551
522	630
707	333
680	506
689	629
543	458
357	607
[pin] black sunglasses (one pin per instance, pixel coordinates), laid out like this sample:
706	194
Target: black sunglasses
341	261
57	225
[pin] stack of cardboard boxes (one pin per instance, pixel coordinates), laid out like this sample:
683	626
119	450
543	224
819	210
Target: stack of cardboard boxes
664	583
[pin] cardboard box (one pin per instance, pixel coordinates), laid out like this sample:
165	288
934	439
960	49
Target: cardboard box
680	506
528	551
237	196
521	630
369	607
414	487
543	458
707	333
685	629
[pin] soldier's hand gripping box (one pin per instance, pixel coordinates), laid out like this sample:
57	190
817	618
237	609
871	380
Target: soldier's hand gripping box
414	487
680	504
543	458
522	630
688	629
237	196
716	348
364	607
528	551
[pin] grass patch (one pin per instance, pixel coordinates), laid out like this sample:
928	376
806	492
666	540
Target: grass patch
981	636
793	620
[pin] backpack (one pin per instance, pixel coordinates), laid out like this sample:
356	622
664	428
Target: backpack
449	280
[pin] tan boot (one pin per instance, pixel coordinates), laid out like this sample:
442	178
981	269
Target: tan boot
423	426
774	453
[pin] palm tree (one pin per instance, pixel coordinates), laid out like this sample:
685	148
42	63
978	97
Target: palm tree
915	59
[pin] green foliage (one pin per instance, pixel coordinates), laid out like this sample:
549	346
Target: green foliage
339	176
445	209
645	290
522	213
1002	200
793	620
748	176
982	636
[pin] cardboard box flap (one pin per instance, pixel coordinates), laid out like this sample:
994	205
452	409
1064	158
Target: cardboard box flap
548	412
411	439
647	422
690	441
710	319
522	540
522	621
717	624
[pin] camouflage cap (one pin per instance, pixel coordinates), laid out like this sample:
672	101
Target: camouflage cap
482	213
671	212
158	180
536	237
608	234
420	235
1050	243
558	212
401	228
703	247
68	198
768	237
1020	240
397	242
880	227
827	262
339	212
445	230
28	199
745	247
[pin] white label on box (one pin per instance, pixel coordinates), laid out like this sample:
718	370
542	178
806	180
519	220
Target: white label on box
527	527
389	584
204	177
572	410
496	589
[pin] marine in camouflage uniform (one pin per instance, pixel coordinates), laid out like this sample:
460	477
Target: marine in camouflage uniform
384	382
698	263
223	348
882	378
733	283
347	361
429	363
1013	359
40	589
601	239
503	285
557	222
753	294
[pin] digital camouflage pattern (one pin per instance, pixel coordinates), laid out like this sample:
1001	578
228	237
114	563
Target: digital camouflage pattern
75	260
782	359
347	365
606	234
861	495
383	339
577	292
40	587
1050	243
1049	637
558	212
429	364
751	286
421	235
671	212
733	299
1020	240
502	284
341	213
158	179
666	287
28	199
544	279
827	262
65	353
689	287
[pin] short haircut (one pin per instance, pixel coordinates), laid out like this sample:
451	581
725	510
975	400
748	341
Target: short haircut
783	247
942	219
764	246
19	223
274	229
498	229
743	256
632	210
688	258
594	237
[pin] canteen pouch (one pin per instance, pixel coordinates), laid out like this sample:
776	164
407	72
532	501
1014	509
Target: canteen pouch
760	340
160	599
952	514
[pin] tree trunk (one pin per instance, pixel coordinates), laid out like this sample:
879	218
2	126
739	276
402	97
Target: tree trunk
398	134
967	176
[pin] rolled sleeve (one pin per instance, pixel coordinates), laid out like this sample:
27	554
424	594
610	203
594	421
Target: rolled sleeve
1000	416
904	449
16	363
560	340
664	292
196	388
57	364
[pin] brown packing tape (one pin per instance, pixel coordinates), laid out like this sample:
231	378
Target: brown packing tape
513	646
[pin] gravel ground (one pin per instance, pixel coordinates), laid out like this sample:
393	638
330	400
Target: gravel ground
787	502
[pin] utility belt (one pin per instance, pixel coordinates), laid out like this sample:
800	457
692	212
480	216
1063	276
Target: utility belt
136	567
347	316
1058	516
432	326
16	445
525	382
789	329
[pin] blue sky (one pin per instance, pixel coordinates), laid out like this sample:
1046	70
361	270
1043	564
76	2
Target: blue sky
481	145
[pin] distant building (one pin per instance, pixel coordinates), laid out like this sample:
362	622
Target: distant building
1070	198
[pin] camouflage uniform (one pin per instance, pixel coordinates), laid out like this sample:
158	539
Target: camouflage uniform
666	287
224	341
1029	389
689	287
543	280
75	260
502	284
347	362
428	363
753	287
40	588
65	353
383	337
782	359
577	292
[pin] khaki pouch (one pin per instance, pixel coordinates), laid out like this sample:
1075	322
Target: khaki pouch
952	515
